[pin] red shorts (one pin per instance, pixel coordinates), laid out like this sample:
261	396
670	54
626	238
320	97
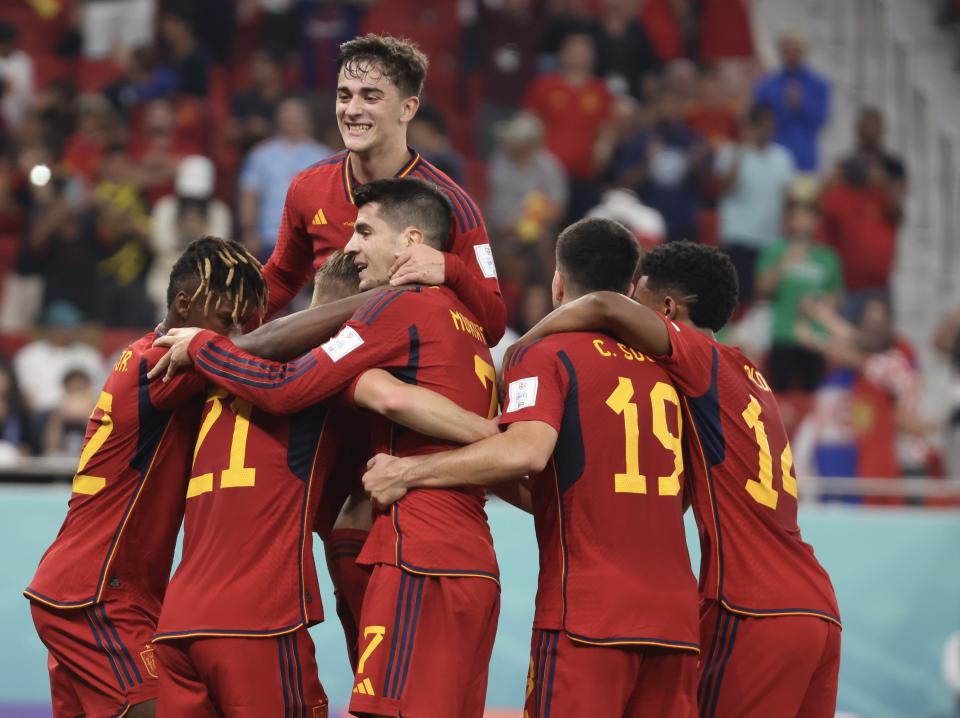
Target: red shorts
773	666
240	677
576	679
101	660
349	582
426	643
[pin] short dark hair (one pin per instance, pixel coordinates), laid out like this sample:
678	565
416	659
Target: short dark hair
223	270
702	277
338	276
409	202
398	58
597	254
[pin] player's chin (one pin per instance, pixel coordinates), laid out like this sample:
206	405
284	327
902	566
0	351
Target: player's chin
357	143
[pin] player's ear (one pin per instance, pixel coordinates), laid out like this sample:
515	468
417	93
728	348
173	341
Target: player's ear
408	109
557	288
669	307
412	236
181	305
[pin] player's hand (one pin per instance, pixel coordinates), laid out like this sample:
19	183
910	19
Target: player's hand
178	357
420	264
384	481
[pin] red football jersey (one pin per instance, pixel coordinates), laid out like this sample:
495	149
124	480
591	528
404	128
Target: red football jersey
424	336
318	219
754	560
608	509
247	566
127	503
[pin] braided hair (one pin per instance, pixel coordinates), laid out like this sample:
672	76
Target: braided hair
224	271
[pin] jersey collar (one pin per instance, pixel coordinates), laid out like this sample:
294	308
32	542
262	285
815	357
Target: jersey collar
350	181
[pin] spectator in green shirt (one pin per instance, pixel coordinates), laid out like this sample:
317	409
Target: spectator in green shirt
792	273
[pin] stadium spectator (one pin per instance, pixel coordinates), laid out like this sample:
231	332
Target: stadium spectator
790	272
190	213
713	113
863	207
627	56
96	128
623	206
875	390
527	187
282	33
109	24
562	18
143	79
267	173
673	27
800	99
54	116
17	432
947	341
427	134
42	365
574	106
66	425
188	58
666	165
752	178
507	37
253	109
16	77
158	150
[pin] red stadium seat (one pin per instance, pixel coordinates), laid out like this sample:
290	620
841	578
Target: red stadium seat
49	68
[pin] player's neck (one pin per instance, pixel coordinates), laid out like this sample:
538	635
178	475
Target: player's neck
379	162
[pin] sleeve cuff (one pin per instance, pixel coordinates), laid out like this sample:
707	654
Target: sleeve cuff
453	269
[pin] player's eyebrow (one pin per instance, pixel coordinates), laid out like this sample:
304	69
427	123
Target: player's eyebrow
365	90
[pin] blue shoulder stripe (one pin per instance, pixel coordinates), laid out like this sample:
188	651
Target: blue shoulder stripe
386	303
237	364
372	303
276	383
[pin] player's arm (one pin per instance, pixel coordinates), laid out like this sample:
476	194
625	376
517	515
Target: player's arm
290	266
170	395
610	312
468	269
288	387
523	449
290	336
419	409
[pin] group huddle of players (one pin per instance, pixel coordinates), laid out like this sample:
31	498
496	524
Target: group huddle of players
370	419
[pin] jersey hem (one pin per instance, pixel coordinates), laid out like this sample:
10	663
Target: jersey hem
225	633
53	603
634	641
774	612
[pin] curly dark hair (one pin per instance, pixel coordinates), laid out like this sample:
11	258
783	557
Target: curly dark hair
398	58
703	277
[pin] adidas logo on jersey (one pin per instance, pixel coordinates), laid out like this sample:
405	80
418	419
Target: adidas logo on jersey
364	688
319	217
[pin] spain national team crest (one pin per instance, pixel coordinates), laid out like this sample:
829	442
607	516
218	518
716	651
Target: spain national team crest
149	658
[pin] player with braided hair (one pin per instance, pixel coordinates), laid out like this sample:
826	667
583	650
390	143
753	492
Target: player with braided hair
96	595
769	623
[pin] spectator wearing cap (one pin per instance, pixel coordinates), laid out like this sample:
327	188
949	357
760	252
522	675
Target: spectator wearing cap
16	77
574	106
42	365
623	206
800	99
752	177
527	186
111	24
177	219
268	171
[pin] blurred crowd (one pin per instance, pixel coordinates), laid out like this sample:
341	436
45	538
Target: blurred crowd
129	127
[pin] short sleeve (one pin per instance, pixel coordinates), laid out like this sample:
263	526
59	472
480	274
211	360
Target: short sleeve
535	388
692	358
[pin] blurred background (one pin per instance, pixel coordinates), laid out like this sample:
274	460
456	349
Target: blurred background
814	141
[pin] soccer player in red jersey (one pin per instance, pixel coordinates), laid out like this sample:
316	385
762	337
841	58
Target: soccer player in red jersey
597	425
232	637
434	572
770	626
96	595
380	79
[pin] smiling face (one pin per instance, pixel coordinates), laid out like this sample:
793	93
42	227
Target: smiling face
374	245
371	112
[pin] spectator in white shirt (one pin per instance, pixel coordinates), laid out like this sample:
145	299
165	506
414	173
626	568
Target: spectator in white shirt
16	77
